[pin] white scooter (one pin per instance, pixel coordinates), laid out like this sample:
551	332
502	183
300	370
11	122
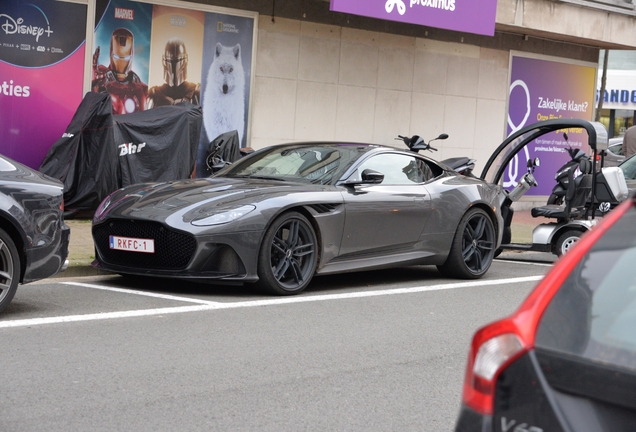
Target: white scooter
569	220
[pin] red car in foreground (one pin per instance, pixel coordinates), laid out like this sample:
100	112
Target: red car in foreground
566	359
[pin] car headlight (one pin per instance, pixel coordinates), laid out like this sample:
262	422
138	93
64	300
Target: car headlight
103	206
224	217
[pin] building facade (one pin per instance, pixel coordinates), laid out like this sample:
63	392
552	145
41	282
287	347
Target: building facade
332	76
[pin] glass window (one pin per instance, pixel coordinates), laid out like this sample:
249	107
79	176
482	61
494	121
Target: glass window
629	168
399	169
320	164
593	315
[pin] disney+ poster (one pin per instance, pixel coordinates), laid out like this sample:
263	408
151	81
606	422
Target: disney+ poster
122	53
42	61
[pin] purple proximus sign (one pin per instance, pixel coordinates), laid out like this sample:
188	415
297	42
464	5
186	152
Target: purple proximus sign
471	16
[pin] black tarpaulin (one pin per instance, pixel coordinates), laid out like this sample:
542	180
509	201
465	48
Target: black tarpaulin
100	152
159	144
82	158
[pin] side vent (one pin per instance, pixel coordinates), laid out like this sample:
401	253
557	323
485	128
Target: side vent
324	208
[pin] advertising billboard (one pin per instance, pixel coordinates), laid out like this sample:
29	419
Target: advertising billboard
42	61
620	90
545	89
149	54
460	15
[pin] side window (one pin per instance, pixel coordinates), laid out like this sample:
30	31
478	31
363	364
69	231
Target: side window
593	315
399	169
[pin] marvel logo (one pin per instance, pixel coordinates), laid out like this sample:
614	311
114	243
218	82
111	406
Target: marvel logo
126	14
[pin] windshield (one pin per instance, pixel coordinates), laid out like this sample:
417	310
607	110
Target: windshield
315	163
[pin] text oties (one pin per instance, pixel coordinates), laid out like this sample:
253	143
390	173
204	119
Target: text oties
9	89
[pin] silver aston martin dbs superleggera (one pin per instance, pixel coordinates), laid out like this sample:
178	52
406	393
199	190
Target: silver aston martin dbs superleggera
283	214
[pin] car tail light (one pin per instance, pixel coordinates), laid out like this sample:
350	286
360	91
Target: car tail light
497	345
62	205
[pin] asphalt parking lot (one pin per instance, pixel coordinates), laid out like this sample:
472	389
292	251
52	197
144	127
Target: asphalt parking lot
381	350
104	296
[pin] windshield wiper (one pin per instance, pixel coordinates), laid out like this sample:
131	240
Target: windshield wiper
260	177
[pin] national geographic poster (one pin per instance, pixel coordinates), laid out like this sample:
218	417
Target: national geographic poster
42	61
152	54
543	89
227	68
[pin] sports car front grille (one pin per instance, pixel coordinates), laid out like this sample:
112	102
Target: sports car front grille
173	249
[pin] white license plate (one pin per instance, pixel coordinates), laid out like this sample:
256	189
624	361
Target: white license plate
132	244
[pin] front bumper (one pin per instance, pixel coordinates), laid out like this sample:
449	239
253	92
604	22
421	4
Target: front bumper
226	257
45	261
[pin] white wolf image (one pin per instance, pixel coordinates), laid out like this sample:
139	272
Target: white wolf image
224	97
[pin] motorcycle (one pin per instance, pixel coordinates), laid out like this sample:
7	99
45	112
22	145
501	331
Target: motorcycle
462	165
561	176
610	187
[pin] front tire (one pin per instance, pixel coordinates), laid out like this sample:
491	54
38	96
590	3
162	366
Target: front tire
566	242
9	269
288	256
473	247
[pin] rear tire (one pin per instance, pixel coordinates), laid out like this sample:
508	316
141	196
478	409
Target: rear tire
288	256
9	269
472	250
566	241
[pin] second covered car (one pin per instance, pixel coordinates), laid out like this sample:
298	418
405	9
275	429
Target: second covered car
285	213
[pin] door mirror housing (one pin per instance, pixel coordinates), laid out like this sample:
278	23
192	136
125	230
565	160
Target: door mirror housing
368	176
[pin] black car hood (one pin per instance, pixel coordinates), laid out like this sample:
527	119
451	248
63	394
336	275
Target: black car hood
196	198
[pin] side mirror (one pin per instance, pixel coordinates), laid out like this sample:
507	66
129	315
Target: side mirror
533	163
370	176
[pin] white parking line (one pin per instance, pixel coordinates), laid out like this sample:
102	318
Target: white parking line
255	303
141	293
525	262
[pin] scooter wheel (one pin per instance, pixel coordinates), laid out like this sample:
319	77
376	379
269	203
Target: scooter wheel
566	241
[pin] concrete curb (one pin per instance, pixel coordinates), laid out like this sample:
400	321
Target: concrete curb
80	271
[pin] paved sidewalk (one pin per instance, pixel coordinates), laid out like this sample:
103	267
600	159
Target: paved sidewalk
82	251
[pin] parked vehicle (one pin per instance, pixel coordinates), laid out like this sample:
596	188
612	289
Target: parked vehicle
565	360
462	164
614	155
285	213
628	167
33	236
563	174
572	218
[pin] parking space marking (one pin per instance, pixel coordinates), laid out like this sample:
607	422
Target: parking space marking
525	262
141	293
255	303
